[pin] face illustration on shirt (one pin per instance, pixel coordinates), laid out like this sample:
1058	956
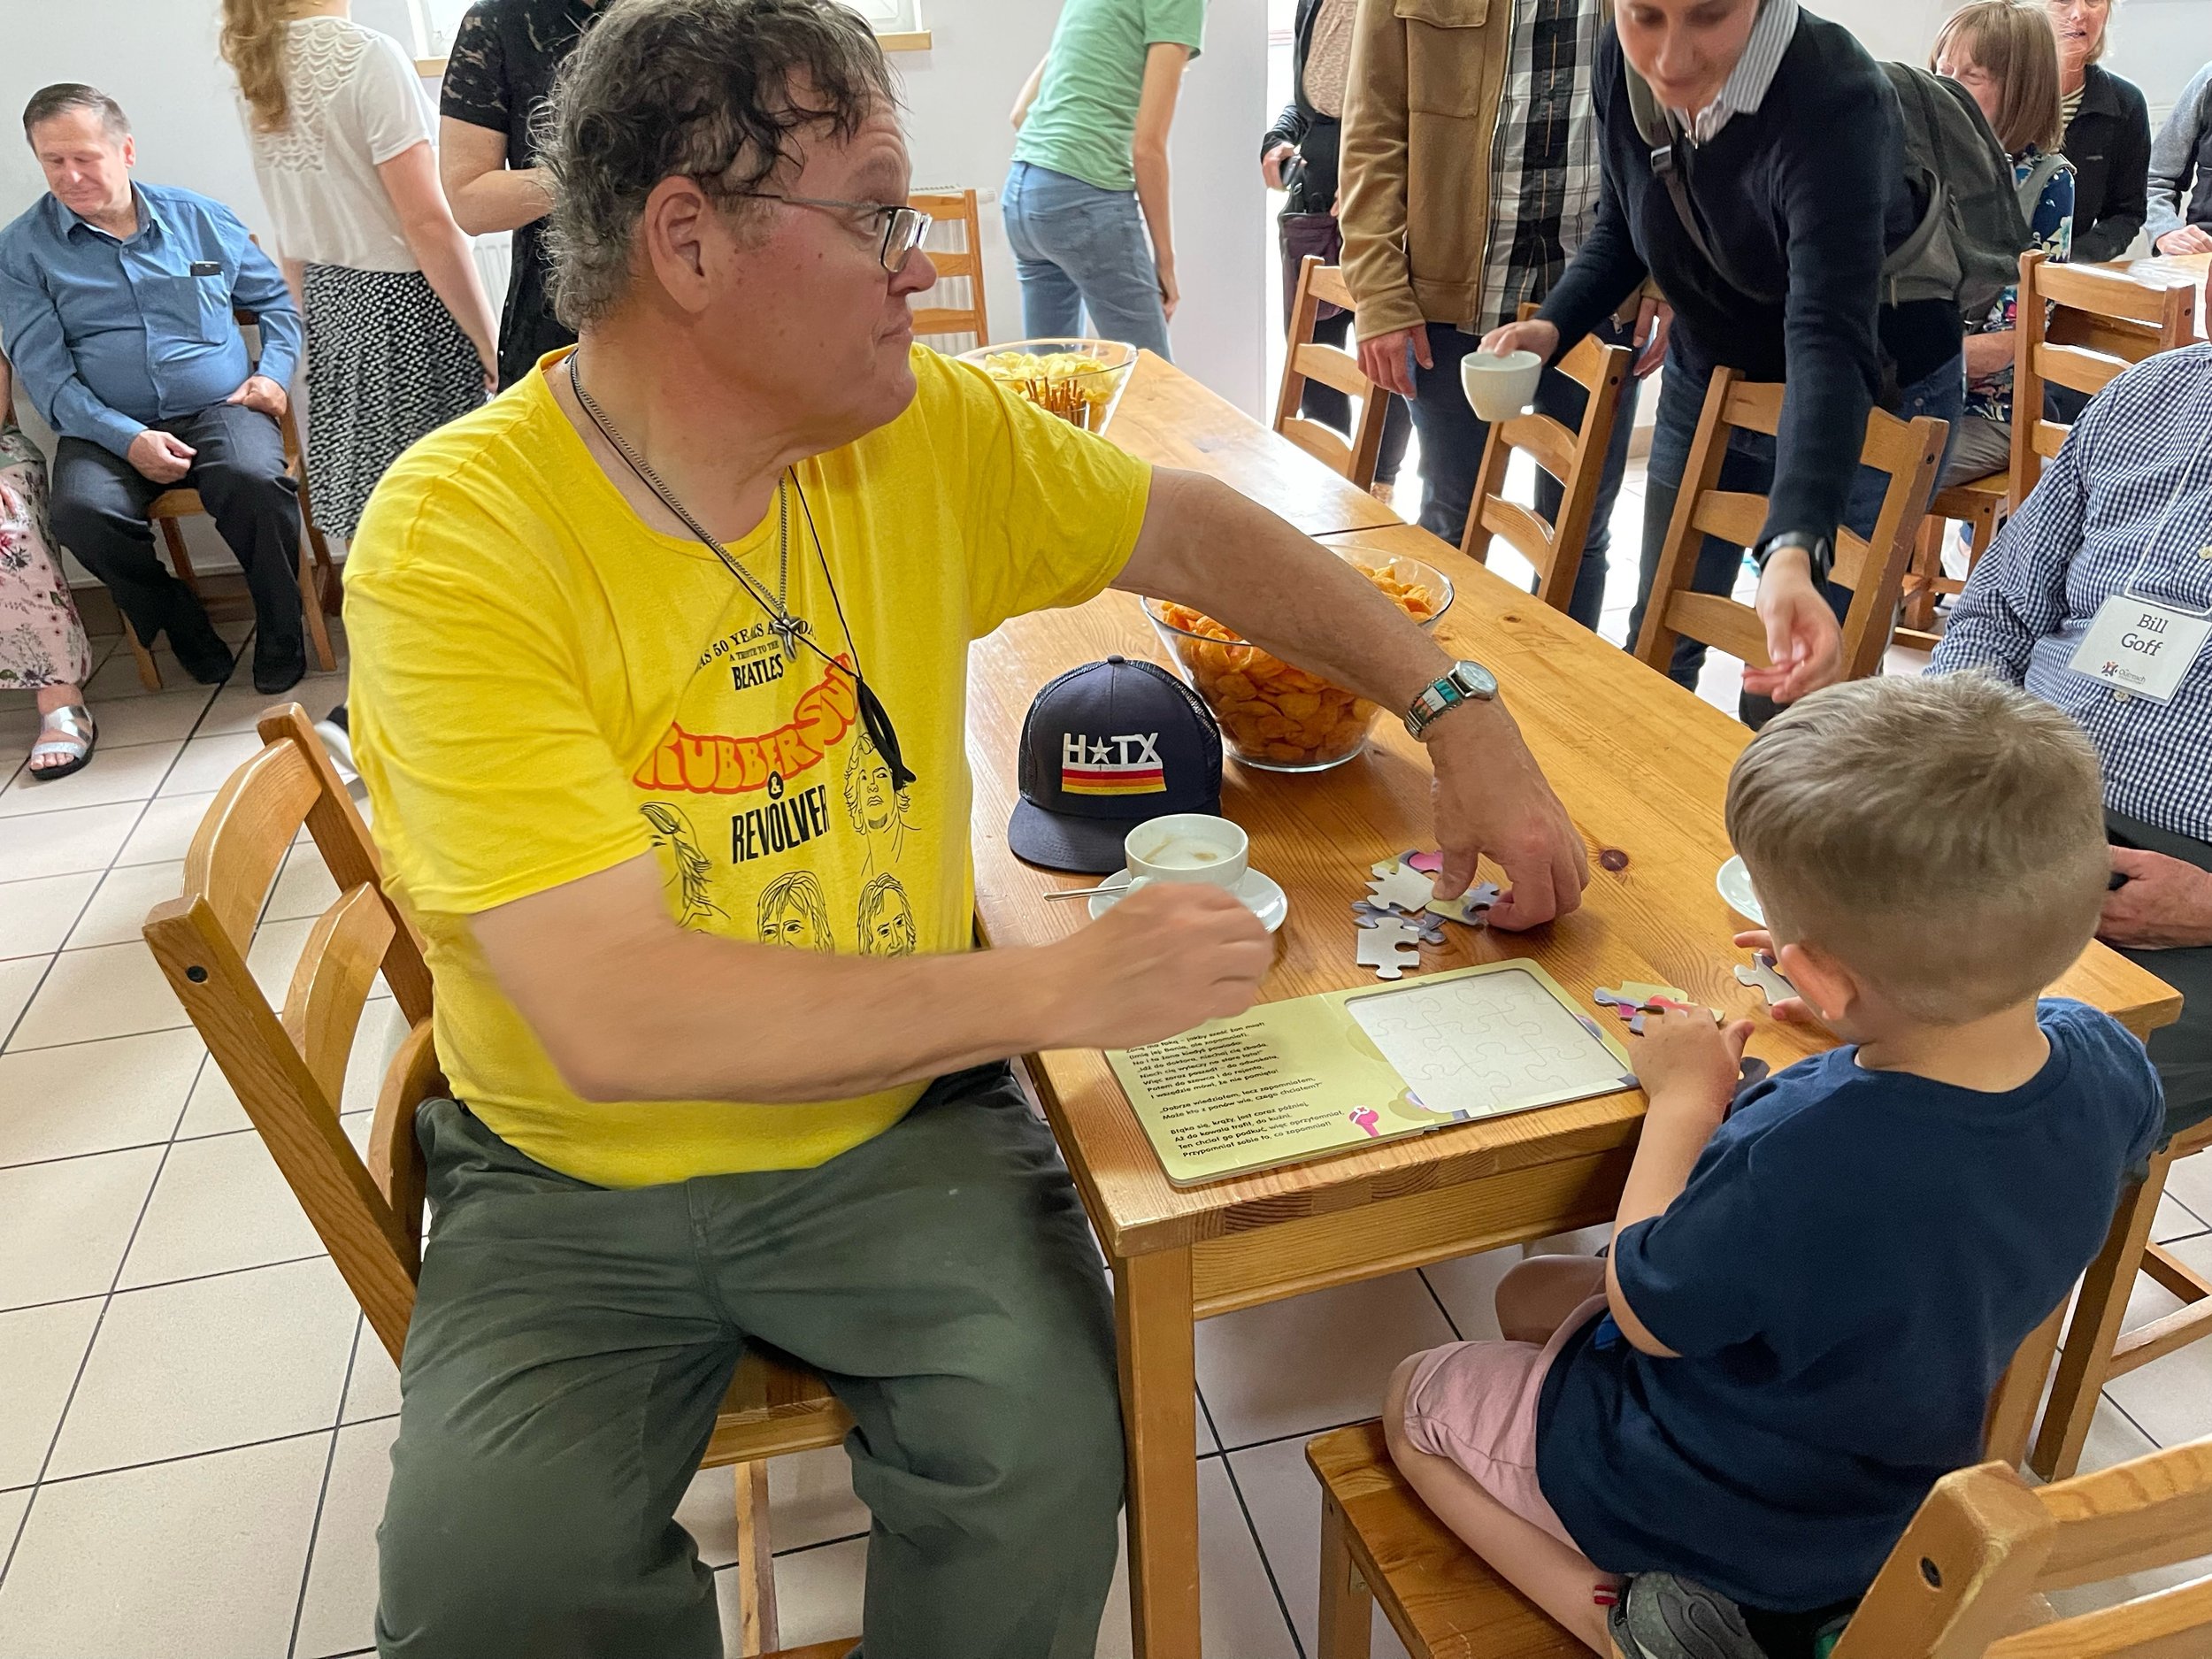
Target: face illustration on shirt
886	920
792	915
871	801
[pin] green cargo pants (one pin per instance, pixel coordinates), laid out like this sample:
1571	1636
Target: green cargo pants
571	1344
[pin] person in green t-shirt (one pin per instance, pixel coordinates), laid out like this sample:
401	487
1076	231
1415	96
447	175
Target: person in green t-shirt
1094	119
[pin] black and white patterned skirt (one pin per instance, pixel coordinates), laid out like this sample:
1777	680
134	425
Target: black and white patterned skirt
385	365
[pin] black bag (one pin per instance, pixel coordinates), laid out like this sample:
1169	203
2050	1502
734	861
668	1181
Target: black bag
1966	247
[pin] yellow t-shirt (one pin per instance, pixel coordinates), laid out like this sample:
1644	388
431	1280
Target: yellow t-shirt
543	687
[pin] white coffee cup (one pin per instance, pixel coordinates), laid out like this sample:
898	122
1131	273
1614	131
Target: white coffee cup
1186	846
1500	385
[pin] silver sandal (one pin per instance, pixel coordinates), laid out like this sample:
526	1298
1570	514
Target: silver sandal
74	720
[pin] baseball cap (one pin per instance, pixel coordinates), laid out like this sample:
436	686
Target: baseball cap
1105	747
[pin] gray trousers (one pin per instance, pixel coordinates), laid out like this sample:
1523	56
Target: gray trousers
571	1344
2182	1050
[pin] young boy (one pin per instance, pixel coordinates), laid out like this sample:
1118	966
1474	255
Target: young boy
1809	1299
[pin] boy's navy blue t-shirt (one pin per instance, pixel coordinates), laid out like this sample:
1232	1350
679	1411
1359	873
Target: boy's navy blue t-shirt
1846	1277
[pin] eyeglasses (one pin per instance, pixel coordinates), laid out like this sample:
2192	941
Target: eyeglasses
903	227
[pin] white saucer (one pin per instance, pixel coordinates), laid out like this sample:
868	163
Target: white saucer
1260	893
1734	882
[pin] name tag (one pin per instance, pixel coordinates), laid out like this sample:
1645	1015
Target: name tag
2140	648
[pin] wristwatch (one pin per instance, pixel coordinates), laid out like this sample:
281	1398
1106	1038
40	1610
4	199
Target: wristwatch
1820	552
1468	682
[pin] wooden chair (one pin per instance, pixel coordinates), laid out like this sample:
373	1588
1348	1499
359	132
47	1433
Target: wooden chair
1306	360
1380	1543
318	575
288	1068
2080	327
1873	570
966	261
1576	459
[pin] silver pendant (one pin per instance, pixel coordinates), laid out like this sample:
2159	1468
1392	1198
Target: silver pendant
786	629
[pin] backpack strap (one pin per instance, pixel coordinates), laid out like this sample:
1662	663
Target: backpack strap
1670	160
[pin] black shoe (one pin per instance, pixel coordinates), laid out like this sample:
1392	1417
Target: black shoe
276	671
1662	1617
200	648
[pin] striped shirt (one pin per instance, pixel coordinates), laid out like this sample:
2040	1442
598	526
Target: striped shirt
2126	505
1745	88
1544	159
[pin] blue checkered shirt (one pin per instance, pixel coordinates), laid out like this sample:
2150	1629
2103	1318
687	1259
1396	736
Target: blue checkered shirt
2126	504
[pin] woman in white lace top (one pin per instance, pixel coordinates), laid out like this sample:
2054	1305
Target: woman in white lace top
400	337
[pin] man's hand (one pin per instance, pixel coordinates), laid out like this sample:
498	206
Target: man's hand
262	393
1804	642
1170	295
160	456
1989	354
1171	955
1535	336
1688	1065
1491	797
2188	239
1272	165
1655	318
2164	904
1383	358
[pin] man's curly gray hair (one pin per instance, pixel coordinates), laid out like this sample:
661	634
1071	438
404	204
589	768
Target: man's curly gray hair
697	87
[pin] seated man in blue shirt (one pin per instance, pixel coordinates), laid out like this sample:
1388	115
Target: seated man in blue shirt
115	304
2097	596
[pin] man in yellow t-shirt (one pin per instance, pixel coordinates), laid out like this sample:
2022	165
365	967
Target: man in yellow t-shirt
658	675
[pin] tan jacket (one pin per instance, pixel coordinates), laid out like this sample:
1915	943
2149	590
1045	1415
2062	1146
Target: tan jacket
1420	123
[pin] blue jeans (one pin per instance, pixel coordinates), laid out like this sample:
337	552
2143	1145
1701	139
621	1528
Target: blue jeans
1079	249
1452	440
1749	466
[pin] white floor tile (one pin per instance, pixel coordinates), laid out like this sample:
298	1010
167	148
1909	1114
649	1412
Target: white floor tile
117	679
818	1595
108	991
2174	1220
238	707
809	1502
58	843
220	1204
210	1363
207	763
40	1351
166	832
117	914
2191	1181
1285	1501
338	1614
36	915
94	1096
64	1226
1467	1285
1237	1615
168	717
2171	1398
213	1108
19	978
11	1507
1312	1362
124	774
304	888
372	1391
197	1559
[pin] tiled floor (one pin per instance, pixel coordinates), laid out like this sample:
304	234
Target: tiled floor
194	1422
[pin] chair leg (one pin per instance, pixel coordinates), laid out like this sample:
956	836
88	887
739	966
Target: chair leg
1347	1603
179	556
1927	565
2086	1360
148	670
756	1566
311	608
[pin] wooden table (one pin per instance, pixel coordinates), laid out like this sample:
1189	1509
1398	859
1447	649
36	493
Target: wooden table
1640	762
2188	270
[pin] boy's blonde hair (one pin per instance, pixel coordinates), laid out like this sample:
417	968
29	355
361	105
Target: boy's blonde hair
1943	837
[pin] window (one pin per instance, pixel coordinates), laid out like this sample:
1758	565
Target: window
433	22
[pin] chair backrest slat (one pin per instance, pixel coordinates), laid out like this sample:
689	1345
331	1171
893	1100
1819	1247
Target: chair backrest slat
965	263
249	826
331	982
2147	1512
2174	1623
1872	567
1357	456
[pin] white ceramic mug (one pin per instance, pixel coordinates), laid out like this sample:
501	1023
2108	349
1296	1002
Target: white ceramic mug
1194	847
1500	385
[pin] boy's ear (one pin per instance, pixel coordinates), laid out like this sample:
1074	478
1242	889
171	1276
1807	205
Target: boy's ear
1829	988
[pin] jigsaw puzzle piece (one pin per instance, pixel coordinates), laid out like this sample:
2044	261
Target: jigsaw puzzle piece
1389	946
1469	906
1761	976
1400	888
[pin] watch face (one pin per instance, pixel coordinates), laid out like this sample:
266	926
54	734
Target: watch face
1475	679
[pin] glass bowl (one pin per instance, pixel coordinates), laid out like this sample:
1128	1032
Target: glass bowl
1080	380
1272	716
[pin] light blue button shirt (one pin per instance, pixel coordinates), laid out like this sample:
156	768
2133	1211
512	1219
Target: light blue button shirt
109	336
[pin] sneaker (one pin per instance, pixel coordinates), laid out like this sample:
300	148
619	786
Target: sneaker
1662	1617
338	739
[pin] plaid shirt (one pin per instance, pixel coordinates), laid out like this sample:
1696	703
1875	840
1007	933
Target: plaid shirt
2132	487
1544	160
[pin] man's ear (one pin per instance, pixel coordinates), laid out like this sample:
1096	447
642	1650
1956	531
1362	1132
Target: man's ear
130	152
674	229
1829	988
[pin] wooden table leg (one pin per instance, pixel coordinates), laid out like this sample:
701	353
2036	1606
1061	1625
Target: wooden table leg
1155	1322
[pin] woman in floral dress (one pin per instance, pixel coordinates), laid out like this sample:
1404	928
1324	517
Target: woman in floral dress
41	643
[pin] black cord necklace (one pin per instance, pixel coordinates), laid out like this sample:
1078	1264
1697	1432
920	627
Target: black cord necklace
791	631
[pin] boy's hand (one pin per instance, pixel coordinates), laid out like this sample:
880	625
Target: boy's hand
1790	1010
1689	1062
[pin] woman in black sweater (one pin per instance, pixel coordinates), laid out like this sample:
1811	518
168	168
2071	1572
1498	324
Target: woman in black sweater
2107	135
1795	164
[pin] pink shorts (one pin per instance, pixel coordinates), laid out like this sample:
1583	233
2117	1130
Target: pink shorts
1474	1403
